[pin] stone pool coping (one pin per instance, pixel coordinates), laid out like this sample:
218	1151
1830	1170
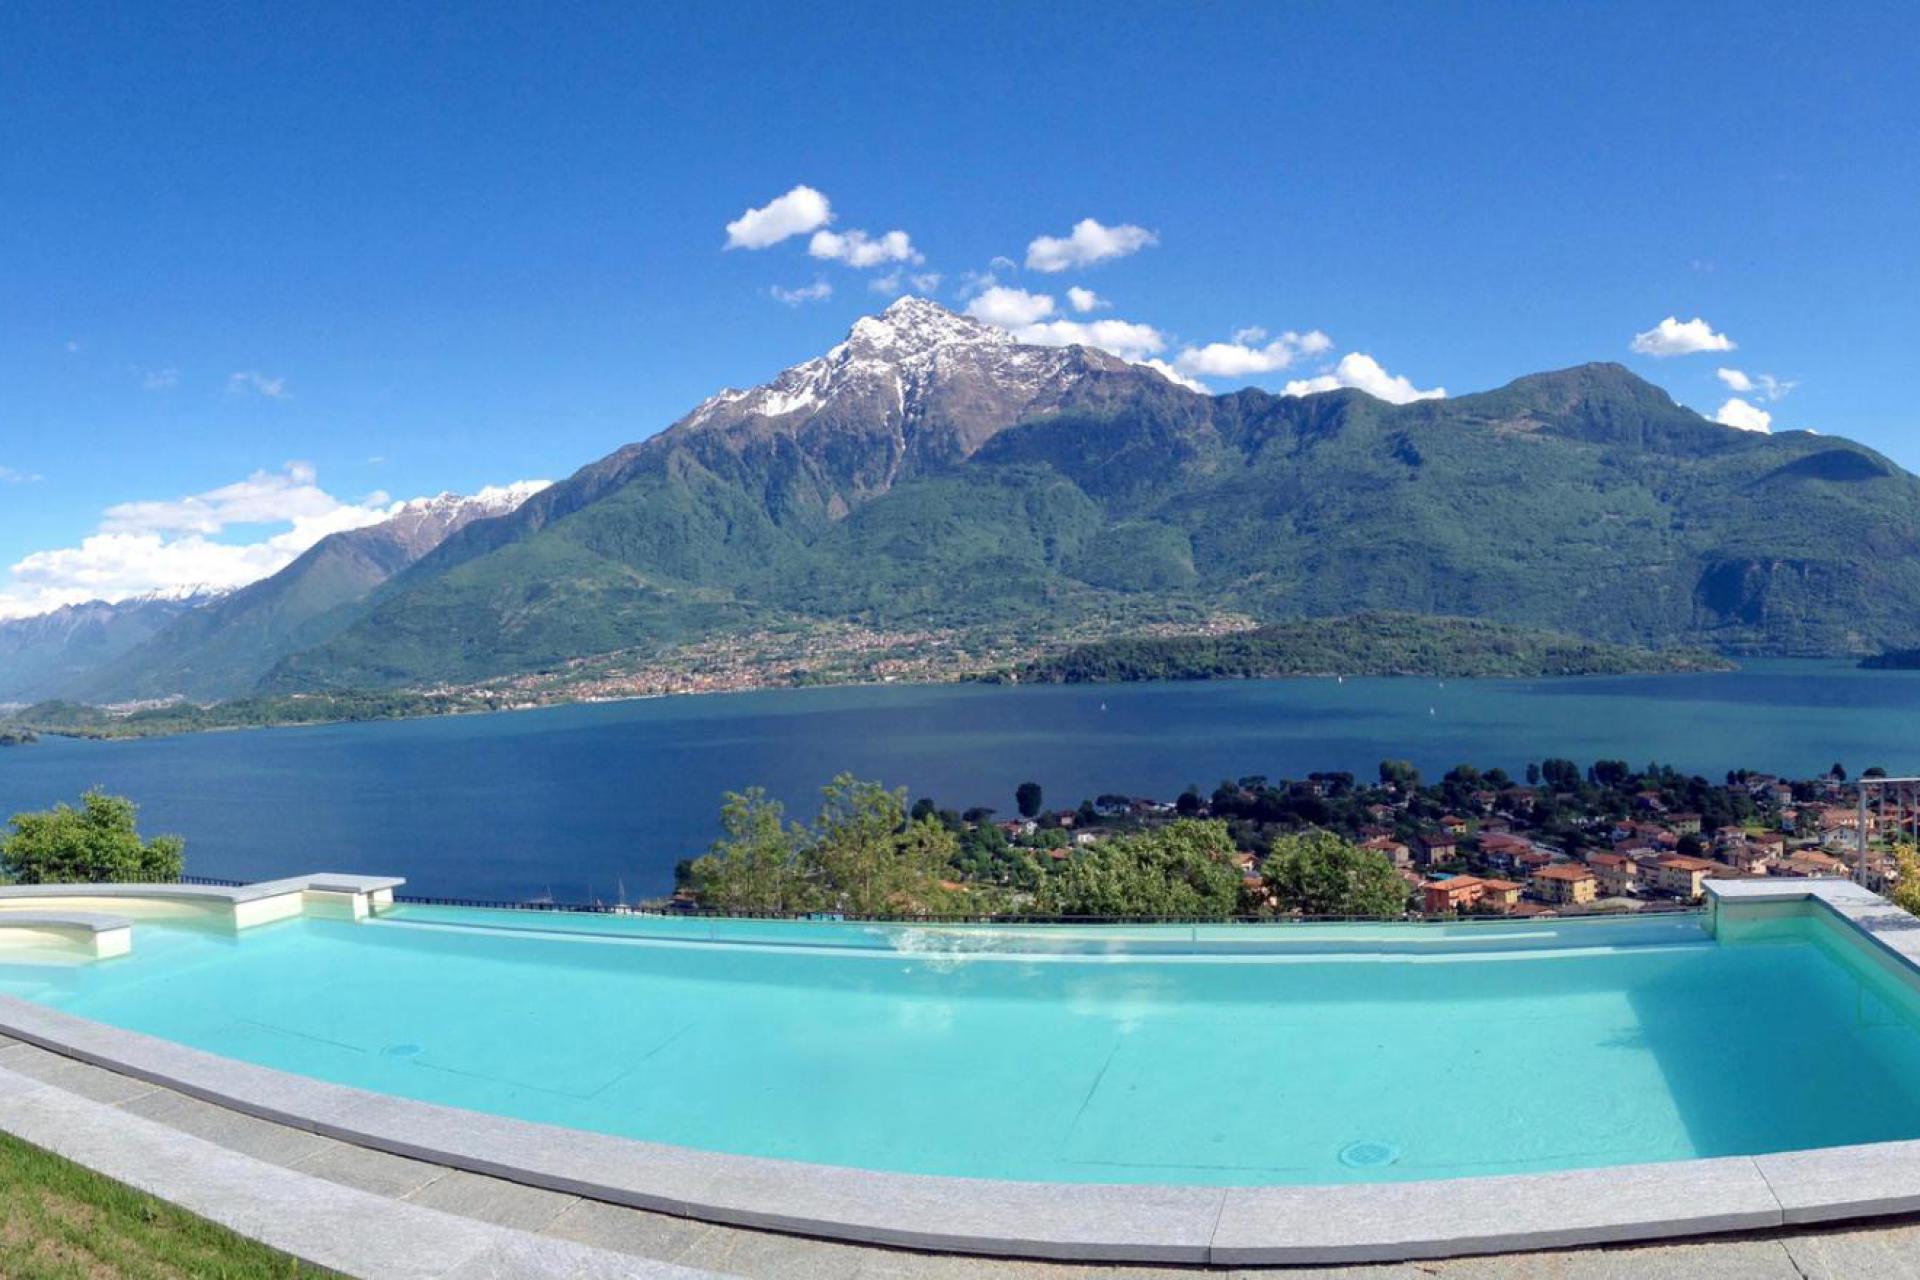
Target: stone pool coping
243	906
93	933
326	1224
1092	1222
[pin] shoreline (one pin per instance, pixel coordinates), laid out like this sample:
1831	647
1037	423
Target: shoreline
106	732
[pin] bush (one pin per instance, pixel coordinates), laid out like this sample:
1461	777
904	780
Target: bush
96	842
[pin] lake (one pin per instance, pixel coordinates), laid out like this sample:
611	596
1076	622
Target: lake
592	801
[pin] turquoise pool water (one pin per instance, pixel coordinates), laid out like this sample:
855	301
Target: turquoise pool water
1168	1055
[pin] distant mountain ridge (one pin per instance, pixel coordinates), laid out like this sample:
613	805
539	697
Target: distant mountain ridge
931	471
43	654
223	647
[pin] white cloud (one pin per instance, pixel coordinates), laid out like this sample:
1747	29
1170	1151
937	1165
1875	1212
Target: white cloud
1764	383
1674	337
1085	300
1744	415
1363	373
1087	243
172	544
858	249
794	214
924	282
160	379
253	382
1172	374
818	291
1010	308
1122	338
1240	358
11	475
1026	316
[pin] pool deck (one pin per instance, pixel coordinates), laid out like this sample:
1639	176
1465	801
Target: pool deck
881	1213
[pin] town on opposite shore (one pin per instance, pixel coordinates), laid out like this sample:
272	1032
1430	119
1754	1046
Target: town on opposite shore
1563	841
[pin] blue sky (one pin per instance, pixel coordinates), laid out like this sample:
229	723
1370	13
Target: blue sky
417	249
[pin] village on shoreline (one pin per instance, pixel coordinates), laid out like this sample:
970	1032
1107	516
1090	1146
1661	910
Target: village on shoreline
1564	841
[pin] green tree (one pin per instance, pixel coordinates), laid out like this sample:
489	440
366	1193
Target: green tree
870	859
1906	888
1399	774
1184	868
759	865
1028	797
95	843
1317	873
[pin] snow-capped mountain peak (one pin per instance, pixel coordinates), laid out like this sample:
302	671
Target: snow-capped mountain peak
915	369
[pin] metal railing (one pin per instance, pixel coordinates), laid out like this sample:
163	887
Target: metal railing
1019	918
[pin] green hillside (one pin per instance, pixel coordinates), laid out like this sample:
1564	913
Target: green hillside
1371	644
1583	502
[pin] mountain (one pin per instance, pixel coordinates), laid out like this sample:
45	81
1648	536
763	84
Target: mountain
223	648
932	471
41	655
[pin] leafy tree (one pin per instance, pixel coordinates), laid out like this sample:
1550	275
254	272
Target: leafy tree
1027	796
1182	869
1609	773
1533	775
95	843
760	864
861	856
1190	801
1561	774
1399	774
871	860
1838	773
924	808
1906	890
1320	874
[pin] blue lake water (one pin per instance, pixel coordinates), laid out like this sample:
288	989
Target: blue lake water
587	800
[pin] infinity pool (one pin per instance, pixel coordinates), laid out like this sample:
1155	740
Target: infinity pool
1163	1055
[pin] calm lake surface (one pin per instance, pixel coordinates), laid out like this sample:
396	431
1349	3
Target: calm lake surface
588	801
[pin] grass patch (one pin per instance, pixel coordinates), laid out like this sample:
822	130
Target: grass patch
59	1221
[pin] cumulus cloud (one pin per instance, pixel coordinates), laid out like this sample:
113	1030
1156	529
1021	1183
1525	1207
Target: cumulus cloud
858	249
1089	242
1363	373
1085	300
1008	307
818	291
1675	337
253	382
1123	338
1744	415
173	544
1763	383
794	214
1172	374
1241	358
892	282
1028	316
